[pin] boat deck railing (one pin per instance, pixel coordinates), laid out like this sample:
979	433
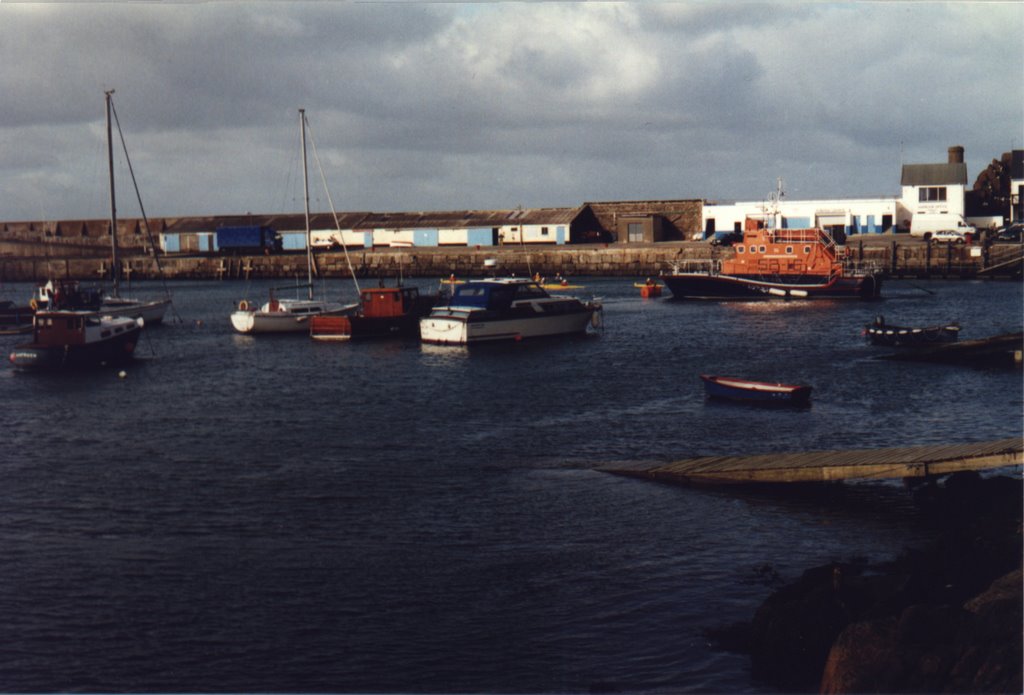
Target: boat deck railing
713	266
703	266
854	268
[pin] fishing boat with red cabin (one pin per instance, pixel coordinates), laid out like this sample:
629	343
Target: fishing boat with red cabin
77	339
756	392
784	263
384	312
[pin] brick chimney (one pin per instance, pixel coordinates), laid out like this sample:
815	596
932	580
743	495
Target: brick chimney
956	154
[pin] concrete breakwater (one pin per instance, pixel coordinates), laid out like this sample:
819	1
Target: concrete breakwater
904	258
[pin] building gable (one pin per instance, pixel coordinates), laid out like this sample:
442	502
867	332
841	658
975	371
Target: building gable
934	174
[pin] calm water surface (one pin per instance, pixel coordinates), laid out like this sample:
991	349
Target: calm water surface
275	514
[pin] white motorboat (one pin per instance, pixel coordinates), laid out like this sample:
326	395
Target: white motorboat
505	309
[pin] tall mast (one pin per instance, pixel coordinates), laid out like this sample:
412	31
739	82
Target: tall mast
115	271
305	191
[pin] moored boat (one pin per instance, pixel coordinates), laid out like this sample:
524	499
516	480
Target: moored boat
783	263
150	311
290	315
74	339
69	295
505	309
881	333
383	312
756	392
284	315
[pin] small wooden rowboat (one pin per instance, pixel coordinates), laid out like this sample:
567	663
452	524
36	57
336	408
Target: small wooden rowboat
759	392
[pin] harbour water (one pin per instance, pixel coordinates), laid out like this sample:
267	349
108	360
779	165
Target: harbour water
274	514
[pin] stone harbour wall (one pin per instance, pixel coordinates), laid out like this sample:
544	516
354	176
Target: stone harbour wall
904	258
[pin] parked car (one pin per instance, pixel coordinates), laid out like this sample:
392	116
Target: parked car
950	236
725	238
1011	232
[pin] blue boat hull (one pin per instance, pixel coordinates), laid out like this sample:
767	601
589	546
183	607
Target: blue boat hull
758	393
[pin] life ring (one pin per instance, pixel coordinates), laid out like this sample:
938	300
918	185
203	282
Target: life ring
243	305
34	304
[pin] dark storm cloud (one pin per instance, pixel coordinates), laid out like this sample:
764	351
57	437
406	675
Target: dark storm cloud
420	106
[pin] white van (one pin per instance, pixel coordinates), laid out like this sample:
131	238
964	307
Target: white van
926	224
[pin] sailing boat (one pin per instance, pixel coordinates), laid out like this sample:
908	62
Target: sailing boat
289	315
67	295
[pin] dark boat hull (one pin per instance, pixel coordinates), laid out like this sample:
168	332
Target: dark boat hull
117	349
756	392
706	286
903	336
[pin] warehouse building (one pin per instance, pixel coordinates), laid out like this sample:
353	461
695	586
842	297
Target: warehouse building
925	189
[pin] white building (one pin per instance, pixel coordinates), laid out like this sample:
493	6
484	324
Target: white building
1017	186
925	188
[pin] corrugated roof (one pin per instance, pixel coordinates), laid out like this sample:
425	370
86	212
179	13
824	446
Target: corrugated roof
934	174
457	219
462	219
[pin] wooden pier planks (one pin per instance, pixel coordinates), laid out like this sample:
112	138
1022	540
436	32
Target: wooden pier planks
831	466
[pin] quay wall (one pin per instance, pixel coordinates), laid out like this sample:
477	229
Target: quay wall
908	258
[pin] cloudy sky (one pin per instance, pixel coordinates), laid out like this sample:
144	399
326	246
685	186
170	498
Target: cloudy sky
442	106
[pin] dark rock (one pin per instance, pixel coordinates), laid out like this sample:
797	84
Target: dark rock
793	631
935	648
945	618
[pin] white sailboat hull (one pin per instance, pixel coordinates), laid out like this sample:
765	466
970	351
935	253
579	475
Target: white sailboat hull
151	312
290	316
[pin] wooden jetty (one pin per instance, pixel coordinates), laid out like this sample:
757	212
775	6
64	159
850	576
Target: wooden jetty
832	466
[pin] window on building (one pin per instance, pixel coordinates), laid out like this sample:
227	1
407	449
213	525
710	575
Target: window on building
932	194
635	231
543	231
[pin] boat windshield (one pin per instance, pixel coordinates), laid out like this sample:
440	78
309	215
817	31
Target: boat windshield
495	296
471	295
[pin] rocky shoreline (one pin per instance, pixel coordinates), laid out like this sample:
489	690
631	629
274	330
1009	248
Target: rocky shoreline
945	618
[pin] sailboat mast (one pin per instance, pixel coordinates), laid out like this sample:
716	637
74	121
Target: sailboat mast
305	195
115	271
